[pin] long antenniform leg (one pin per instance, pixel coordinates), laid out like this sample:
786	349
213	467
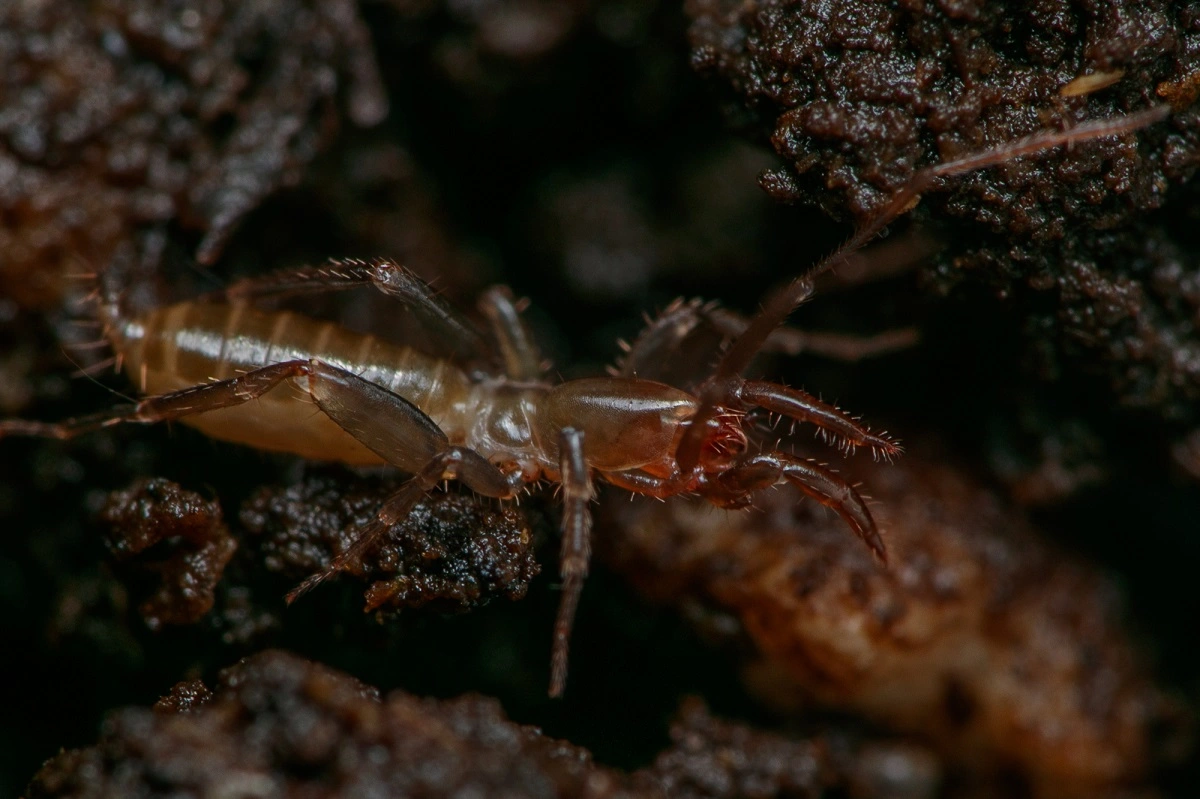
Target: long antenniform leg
727	377
688	332
576	548
177	404
838	346
389	277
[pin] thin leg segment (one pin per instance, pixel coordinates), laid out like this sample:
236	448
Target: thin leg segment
177	404
831	490
384	422
387	276
636	481
576	548
675	347
68	428
734	488
838	346
393	510
522	360
400	433
846	431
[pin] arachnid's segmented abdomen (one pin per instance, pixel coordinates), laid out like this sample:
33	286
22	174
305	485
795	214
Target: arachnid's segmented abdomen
193	343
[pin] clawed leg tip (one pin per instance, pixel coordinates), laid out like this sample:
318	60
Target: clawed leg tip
887	451
558	676
303	588
558	684
876	545
874	542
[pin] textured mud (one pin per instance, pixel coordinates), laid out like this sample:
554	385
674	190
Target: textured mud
175	537
857	97
276	725
122	119
451	552
1009	656
1123	306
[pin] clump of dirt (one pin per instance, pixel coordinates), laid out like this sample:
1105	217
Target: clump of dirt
277	724
160	530
122	118
452	551
857	97
171	548
1122	306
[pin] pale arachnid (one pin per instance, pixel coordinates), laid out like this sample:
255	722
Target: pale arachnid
221	365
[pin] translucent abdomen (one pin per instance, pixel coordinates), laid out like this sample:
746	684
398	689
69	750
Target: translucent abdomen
192	343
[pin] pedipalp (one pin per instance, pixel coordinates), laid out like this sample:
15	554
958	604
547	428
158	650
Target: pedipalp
845	431
818	482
